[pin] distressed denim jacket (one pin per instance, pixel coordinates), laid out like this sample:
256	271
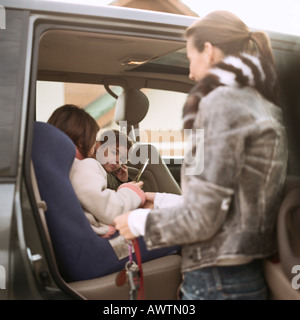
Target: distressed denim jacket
230	208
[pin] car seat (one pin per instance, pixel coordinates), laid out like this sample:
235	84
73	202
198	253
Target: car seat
131	108
288	228
85	260
278	270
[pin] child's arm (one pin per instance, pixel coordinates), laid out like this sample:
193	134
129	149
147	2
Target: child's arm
89	182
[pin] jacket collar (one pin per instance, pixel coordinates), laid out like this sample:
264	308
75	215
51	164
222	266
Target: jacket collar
233	71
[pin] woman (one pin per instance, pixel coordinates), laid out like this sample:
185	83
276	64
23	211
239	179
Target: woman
88	176
226	217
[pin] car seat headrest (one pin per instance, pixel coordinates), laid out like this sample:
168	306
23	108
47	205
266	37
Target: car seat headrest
132	106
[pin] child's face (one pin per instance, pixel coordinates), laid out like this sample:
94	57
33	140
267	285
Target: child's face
112	157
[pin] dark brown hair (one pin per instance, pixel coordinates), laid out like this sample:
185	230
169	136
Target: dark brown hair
81	127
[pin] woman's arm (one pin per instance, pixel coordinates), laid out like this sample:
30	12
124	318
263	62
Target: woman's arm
207	195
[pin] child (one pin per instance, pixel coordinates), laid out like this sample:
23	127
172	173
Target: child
112	153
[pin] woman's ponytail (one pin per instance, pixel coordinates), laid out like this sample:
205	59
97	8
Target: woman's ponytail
263	45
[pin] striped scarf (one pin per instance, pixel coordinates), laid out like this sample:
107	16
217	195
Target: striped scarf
233	71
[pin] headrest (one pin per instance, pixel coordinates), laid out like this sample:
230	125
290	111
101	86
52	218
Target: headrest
132	106
50	145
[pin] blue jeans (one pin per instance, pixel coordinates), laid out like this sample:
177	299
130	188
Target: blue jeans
242	282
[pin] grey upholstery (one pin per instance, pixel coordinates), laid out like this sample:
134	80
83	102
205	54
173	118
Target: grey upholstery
162	278
156	177
288	227
278	271
131	107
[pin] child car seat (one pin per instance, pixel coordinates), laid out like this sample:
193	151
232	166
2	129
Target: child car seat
80	253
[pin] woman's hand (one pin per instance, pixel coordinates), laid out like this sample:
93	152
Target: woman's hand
121	224
149	204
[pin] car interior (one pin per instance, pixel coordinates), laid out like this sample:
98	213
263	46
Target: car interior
111	60
74	53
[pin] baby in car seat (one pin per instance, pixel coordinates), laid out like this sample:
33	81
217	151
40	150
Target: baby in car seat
112	150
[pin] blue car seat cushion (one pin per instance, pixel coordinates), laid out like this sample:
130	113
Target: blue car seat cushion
81	254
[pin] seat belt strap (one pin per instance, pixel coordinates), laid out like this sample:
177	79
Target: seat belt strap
141	295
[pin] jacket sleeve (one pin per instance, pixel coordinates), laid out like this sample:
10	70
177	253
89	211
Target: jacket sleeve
163	200
207	195
88	179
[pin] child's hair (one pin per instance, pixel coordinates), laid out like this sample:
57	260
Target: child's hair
80	126
115	137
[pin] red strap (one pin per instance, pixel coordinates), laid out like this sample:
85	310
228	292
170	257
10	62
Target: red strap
136	246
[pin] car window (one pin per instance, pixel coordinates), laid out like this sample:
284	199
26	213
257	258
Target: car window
161	126
94	98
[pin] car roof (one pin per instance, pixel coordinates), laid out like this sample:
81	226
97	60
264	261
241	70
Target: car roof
100	11
90	56
116	37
